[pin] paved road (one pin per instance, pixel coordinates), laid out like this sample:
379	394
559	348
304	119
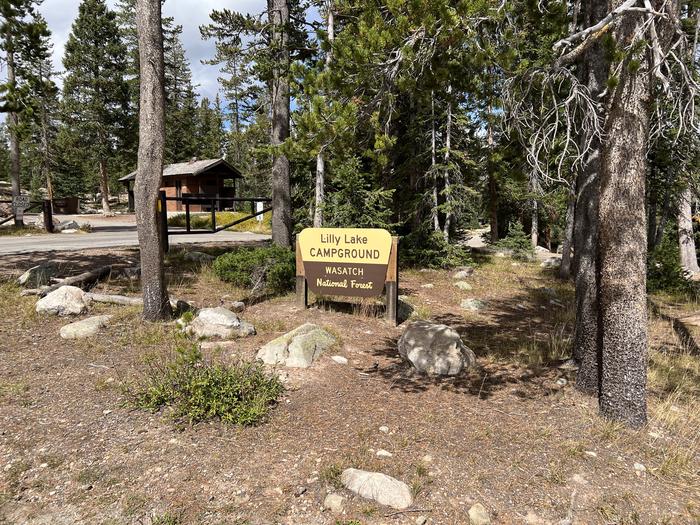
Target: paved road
118	232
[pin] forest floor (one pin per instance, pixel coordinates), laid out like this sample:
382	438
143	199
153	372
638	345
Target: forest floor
512	434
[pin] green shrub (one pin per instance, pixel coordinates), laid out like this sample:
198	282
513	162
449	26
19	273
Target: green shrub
517	241
196	390
425	248
664	272
269	270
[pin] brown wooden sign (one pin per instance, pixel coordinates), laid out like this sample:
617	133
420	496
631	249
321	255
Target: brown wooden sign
353	262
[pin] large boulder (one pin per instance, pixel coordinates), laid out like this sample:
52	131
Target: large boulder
379	487
66	300
39	275
219	322
435	349
298	348
85	328
67	226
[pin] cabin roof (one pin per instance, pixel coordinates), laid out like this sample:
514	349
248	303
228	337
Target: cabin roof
192	168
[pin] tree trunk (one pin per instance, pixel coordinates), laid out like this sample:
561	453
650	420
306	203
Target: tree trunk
493	187
534	226
433	165
278	12
448	146
13	121
565	267
686	240
319	199
104	187
622	299
320	183
585	346
149	176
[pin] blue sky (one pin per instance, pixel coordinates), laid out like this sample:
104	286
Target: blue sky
188	13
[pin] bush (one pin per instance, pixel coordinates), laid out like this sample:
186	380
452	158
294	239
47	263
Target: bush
196	390
425	248
269	270
517	241
664	272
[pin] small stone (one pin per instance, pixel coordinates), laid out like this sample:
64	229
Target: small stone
591	453
463	285
334	503
300	491
578	478
561	381
381	453
478	515
473	305
427	458
533	519
340	359
384	429
85	328
421	520
236	306
464	273
379	487
427	285
639	468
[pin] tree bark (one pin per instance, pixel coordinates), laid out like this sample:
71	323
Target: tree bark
156	305
319	198
448	146
433	165
622	249
686	240
585	346
104	187
320	186
13	119
534	227
565	267
278	12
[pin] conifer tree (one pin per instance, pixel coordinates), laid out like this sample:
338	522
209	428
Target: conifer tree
96	94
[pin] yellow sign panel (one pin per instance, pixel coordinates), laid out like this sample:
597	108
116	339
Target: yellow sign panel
345	245
345	261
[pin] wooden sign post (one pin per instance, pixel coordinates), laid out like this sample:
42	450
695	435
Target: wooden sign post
350	262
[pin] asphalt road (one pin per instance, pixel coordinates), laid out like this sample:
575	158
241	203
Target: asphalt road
117	232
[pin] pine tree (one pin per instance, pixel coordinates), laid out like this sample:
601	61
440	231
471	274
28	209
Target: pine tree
21	33
96	94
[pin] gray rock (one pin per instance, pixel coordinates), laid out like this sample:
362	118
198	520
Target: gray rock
421	520
463	285
551	262
199	257
340	359
435	349
68	225
66	300
39	275
236	306
219	322
427	285
464	273
334	503
85	328
70	230
478	515
298	348
379	487
473	305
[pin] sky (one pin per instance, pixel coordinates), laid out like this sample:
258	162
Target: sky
190	14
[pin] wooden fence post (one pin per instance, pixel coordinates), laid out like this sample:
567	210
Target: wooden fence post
302	286
48	216
164	222
392	283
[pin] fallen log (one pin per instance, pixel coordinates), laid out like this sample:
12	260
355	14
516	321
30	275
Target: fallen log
83	280
114	299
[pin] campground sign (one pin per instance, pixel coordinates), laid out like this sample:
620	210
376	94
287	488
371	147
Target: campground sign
352	262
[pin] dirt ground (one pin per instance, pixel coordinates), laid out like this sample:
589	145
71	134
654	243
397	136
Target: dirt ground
512	434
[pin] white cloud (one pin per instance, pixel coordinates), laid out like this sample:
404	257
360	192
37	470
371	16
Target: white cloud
190	14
